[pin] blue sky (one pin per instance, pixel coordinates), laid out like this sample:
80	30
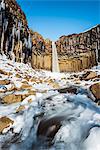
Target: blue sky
53	19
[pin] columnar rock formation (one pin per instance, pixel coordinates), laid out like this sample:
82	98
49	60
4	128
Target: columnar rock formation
15	35
79	51
75	52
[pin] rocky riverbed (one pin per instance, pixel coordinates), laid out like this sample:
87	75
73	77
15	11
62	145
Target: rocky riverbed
48	111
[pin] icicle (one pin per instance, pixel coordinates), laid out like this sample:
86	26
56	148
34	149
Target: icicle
3	5
2	40
21	45
29	42
13	39
25	42
6	46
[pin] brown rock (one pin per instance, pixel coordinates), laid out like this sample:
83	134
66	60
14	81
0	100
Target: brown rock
5	123
5	73
95	89
21	108
26	86
89	75
12	98
4	82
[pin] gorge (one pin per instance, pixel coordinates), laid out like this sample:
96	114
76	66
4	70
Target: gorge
49	91
76	52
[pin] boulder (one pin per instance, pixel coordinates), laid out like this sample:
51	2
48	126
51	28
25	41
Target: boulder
5	122
89	75
5	73
12	98
20	108
48	128
26	86
95	89
68	90
4	82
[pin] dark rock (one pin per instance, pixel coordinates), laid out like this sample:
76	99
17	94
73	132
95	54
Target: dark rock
48	128
68	90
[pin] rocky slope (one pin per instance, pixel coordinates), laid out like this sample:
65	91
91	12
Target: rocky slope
35	104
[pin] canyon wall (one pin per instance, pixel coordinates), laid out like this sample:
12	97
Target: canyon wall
75	52
15	36
17	40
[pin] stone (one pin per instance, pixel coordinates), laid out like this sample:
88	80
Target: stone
89	75
48	128
68	90
21	108
26	86
95	89
4	82
12	98
5	73
5	122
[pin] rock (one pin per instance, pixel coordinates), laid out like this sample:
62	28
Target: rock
21	108
5	73
26	86
12	98
4	82
5	122
89	75
68	90
95	89
48	128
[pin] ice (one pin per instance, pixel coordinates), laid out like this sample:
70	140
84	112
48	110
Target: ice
80	128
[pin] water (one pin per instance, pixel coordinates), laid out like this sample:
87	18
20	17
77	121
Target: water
55	63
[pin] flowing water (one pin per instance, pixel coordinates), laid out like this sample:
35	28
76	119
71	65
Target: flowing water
55	63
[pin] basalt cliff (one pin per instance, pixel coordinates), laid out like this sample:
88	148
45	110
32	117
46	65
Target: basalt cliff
75	52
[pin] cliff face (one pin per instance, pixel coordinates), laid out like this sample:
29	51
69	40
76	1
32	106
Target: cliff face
15	35
76	52
17	40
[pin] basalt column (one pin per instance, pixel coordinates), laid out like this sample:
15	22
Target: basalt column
15	35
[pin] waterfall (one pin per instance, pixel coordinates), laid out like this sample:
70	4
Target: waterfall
55	64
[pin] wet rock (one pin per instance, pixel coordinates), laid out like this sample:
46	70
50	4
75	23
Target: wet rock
5	122
68	90
48	128
95	89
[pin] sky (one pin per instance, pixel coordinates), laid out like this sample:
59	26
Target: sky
54	18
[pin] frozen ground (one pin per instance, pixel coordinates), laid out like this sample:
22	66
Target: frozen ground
80	123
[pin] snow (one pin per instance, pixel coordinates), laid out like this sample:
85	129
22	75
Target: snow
80	128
